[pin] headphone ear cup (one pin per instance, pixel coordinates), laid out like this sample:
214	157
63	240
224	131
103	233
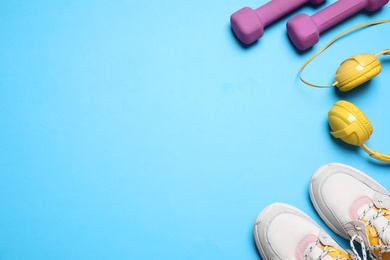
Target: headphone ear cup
349	123
357	70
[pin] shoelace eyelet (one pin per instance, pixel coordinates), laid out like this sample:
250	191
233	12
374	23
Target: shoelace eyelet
358	228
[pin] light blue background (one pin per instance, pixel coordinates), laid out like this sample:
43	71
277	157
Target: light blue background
145	130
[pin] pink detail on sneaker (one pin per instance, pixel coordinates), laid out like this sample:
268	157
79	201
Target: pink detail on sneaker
353	210
303	244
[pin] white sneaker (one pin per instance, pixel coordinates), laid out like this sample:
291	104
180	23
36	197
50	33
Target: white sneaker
354	206
284	232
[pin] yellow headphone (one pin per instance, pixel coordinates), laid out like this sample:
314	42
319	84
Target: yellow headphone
347	121
355	70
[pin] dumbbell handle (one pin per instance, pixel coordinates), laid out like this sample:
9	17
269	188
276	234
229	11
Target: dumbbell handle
337	12
275	9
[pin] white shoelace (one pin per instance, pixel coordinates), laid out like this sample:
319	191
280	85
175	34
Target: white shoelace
361	242
373	214
325	251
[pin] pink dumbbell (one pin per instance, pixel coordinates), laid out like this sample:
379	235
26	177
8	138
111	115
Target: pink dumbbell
248	24
304	31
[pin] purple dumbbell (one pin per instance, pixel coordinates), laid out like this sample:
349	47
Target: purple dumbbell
304	31
248	24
